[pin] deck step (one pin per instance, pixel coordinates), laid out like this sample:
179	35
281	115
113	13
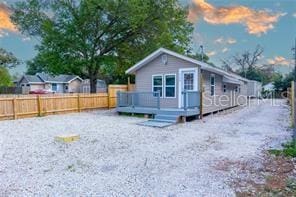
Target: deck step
166	118
158	124
161	121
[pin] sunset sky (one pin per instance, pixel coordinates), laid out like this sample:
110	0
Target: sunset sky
224	27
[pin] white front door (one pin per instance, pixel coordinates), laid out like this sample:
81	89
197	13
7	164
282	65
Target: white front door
187	82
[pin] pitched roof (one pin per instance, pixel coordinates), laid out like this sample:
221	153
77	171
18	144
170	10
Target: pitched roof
32	79
46	78
203	65
58	78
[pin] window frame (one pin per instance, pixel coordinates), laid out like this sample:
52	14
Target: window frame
212	85
152	84
165	86
54	84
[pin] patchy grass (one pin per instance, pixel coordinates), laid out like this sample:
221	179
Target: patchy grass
289	150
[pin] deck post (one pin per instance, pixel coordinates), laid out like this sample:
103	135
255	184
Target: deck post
118	94
133	102
158	99
185	100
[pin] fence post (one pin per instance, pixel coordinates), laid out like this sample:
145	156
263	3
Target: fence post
158	99
78	103
39	106
14	108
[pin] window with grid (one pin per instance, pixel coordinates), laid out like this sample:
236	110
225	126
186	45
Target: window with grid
188	81
170	86
212	79
157	84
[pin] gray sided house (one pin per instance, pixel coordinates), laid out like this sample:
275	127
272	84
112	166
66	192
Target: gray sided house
171	83
101	86
58	84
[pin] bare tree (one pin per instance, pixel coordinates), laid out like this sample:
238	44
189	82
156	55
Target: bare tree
227	65
248	60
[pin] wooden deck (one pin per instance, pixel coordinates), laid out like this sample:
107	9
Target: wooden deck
166	111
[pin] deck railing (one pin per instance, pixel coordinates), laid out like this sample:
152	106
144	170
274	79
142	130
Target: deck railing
191	99
138	99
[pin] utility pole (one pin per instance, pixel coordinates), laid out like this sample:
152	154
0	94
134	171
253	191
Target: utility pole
202	52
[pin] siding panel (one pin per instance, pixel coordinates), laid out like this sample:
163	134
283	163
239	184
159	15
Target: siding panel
144	76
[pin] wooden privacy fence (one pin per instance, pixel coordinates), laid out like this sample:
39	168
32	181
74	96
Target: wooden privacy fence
21	106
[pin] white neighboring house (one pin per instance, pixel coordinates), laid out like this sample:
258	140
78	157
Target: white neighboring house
254	89
58	84
268	87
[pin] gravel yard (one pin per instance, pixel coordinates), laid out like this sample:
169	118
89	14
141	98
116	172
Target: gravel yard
116	157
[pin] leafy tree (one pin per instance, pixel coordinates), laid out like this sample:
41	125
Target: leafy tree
282	83
5	78
94	38
7	59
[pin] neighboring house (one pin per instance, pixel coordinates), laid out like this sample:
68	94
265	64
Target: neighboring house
268	87
58	84
170	83
254	89
101	86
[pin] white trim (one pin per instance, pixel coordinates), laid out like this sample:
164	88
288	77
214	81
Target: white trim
77	77
212	75
164	85
36	83
196	82
152	84
57	82
203	65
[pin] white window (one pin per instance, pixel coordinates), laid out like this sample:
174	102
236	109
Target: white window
157	83
54	87
212	80
224	88
170	85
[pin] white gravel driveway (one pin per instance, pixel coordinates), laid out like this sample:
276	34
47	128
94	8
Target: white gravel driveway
116	157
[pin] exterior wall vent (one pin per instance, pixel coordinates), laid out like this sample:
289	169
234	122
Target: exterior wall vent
164	59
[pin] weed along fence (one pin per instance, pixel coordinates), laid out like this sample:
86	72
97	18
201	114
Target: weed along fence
22	106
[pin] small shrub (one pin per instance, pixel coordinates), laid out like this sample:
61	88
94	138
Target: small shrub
289	150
